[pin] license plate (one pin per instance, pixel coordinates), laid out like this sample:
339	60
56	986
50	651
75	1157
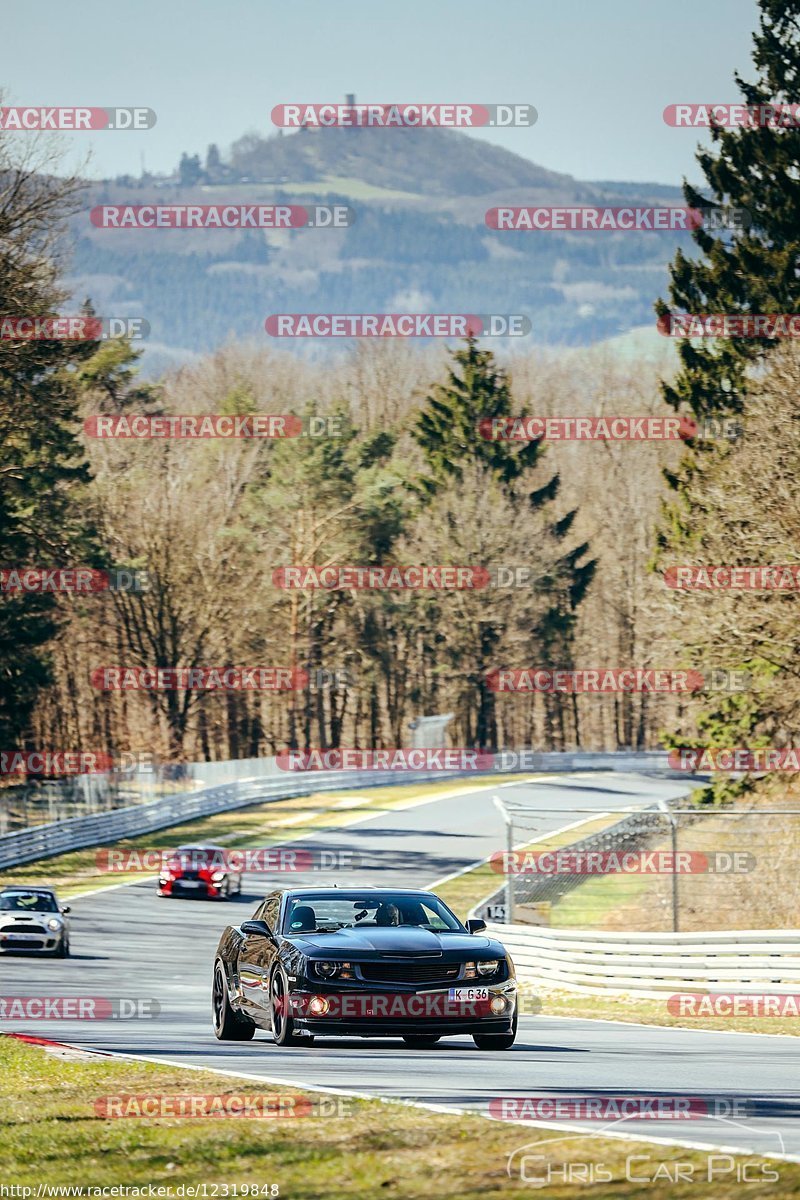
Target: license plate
468	993
189	883
24	937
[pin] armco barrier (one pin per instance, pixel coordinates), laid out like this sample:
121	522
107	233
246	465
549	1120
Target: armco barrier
654	964
268	783
44	841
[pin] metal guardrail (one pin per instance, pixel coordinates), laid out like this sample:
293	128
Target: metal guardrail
58	837
77	833
655	964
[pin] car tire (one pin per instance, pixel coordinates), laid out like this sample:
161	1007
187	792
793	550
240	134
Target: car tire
62	949
282	1024
229	1026
497	1041
421	1042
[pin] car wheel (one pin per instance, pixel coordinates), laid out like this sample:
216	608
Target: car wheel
497	1041
62	949
282	1024
229	1026
420	1043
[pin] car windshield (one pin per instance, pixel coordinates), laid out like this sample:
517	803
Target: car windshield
28	901
356	910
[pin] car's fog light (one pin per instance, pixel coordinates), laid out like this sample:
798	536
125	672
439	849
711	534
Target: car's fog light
498	1004
318	1006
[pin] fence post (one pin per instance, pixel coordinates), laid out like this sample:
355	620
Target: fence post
506	815
673	825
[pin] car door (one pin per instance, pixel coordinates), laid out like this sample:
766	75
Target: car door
256	956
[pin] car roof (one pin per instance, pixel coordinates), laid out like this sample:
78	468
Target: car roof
28	891
355	887
33	887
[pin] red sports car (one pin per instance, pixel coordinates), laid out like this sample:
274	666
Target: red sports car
202	871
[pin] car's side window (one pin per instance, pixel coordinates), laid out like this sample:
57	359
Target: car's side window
270	909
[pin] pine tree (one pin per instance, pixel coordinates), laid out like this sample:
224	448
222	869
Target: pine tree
751	270
449	427
43	472
448	431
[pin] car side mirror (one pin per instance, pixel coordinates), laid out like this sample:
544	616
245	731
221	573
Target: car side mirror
475	926
65	908
257	929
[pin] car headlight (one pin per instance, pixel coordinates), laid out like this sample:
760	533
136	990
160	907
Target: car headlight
327	970
217	876
54	924
488	966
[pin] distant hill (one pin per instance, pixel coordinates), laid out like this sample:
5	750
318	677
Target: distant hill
426	162
419	242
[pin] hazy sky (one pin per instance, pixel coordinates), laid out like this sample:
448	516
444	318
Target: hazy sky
599	71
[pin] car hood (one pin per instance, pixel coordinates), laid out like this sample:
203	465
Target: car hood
12	914
395	941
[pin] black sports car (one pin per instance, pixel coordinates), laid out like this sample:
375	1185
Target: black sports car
369	962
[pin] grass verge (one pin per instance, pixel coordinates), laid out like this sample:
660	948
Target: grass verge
639	1010
53	1135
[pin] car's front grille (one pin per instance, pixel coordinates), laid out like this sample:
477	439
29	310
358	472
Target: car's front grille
10	930
408	972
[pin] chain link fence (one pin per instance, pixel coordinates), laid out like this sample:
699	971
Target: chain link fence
667	868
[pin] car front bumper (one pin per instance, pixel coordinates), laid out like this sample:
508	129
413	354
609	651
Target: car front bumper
190	890
402	1013
31	942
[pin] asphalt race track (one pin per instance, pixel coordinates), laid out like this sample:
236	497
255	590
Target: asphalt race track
128	942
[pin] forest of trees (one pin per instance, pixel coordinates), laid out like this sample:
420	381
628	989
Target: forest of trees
405	479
